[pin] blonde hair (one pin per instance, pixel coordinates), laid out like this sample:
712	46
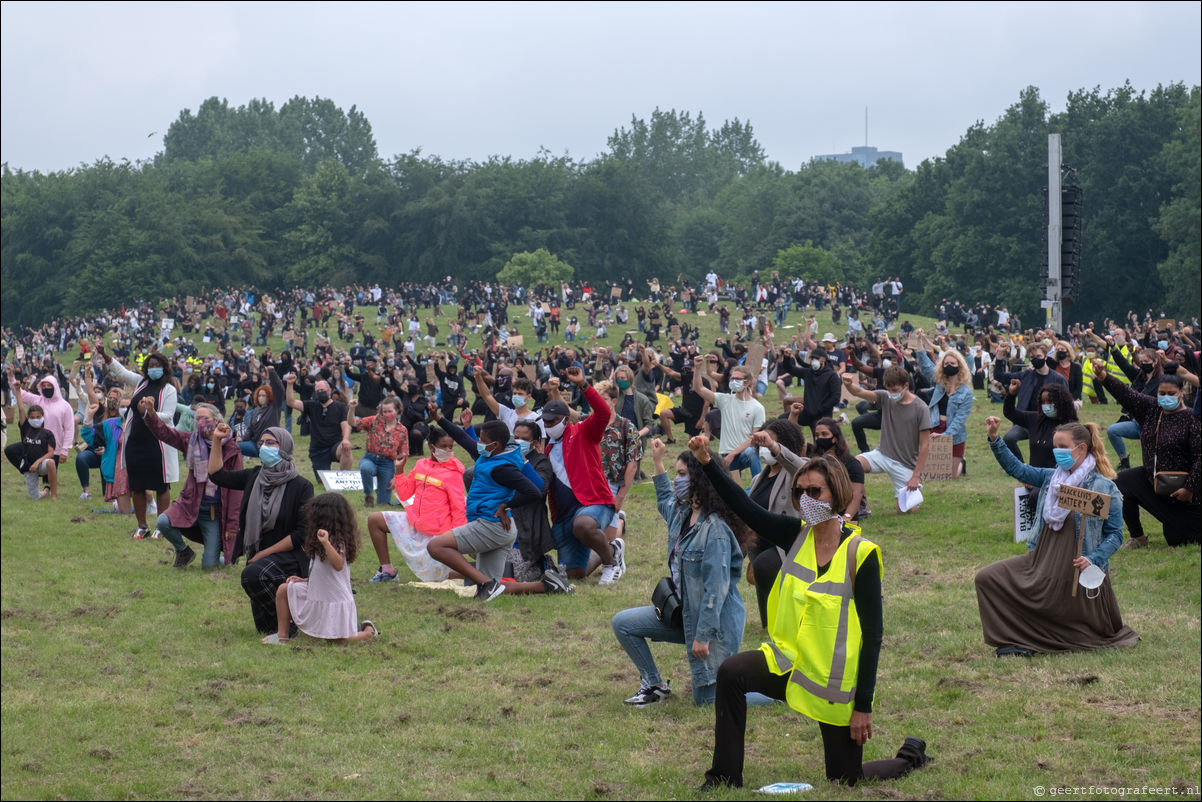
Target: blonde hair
1091	435
606	389
964	377
1061	344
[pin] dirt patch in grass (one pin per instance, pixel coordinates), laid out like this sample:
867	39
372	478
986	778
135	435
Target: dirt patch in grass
249	719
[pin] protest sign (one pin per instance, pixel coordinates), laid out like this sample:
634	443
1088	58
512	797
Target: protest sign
1086	502
1024	513
341	480
940	464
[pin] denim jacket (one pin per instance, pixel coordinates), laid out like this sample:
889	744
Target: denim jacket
1102	537
959	403
710	563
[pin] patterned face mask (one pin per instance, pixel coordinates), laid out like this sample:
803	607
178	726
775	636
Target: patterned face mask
813	511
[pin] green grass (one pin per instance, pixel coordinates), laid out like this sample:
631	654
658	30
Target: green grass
123	678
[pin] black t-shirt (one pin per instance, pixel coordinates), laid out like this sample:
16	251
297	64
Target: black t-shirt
35	443
325	423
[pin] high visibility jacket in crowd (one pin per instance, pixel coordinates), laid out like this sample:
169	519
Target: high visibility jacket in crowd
814	628
1112	367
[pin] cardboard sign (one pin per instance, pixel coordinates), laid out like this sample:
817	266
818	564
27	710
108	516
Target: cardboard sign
615	292
515	339
700	313
341	480
1024	513
940	464
530	371
1166	324
546	307
1086	502
431	376
755	360
914	342
674	332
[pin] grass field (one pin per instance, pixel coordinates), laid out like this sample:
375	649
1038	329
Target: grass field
123	678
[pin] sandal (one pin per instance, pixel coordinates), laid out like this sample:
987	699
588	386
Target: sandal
375	633
274	639
141	533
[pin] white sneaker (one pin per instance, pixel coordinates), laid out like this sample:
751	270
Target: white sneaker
612	573
84	496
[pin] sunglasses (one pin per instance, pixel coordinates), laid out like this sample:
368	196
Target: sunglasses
813	491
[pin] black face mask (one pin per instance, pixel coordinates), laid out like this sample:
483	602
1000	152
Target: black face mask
1061	356
951	370
1037	362
321	396
1146	367
48	392
824	443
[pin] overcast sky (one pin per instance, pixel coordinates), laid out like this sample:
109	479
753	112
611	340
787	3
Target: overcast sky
81	81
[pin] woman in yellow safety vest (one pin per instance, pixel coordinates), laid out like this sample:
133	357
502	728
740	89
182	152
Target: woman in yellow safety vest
824	627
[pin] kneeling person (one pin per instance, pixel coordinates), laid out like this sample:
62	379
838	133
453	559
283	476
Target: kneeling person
498	484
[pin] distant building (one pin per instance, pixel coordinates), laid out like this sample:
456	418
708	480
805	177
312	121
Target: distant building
864	156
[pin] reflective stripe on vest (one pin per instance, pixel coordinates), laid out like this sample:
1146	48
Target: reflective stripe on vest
832	691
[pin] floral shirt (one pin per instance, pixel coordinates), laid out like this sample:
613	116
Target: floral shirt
616	454
393	444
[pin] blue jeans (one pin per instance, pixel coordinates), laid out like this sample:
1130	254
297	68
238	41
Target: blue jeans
747	458
84	462
210	530
1117	432
373	467
571	552
288	419
633	628
248	448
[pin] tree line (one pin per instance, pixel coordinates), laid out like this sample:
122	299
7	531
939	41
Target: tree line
299	196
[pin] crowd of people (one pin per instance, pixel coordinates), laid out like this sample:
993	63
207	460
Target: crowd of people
556	434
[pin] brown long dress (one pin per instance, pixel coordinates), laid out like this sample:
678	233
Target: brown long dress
1027	601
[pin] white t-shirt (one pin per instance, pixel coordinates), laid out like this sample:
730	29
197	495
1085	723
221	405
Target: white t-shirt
739	419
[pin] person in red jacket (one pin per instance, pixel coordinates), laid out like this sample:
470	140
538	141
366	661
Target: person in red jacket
439	501
581	502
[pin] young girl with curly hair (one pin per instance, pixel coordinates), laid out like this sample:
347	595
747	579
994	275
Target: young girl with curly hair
323	606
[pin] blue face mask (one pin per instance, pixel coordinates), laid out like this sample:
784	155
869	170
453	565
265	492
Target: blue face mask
155	374
523	446
1064	458
270	456
1167	402
1162	344
519	401
1049	410
481	449
680	488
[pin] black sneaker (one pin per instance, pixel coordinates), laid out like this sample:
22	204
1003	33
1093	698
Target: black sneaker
1125	463
489	590
555	582
1014	651
184	558
649	695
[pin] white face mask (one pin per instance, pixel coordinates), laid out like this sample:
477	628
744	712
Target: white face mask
895	396
816	364
886	363
442	454
736	385
766	456
556	431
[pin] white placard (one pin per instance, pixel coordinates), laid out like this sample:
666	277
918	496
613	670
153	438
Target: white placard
341	480
1024	513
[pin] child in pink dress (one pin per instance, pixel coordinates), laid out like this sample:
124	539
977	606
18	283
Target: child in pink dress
322	605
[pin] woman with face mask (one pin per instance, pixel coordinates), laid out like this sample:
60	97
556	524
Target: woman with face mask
1172	446
1063	359
387	451
705	561
824	610
435	502
266	403
147	464
1056	408
203	513
952	380
271	521
1032	604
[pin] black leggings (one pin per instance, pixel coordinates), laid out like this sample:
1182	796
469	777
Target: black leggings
1181	521
748	671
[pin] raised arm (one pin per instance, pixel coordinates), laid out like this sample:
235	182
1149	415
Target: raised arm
699	369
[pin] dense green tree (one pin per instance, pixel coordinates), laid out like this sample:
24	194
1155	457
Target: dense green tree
1180	221
540	267
809	262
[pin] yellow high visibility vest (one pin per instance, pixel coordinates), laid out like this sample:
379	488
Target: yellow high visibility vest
814	634
1112	367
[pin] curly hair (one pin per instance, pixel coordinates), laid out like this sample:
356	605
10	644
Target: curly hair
1059	397
702	492
788	434
333	513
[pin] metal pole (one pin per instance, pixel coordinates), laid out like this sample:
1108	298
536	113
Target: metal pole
1053	294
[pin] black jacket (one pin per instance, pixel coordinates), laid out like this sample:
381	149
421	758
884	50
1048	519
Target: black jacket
289	523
